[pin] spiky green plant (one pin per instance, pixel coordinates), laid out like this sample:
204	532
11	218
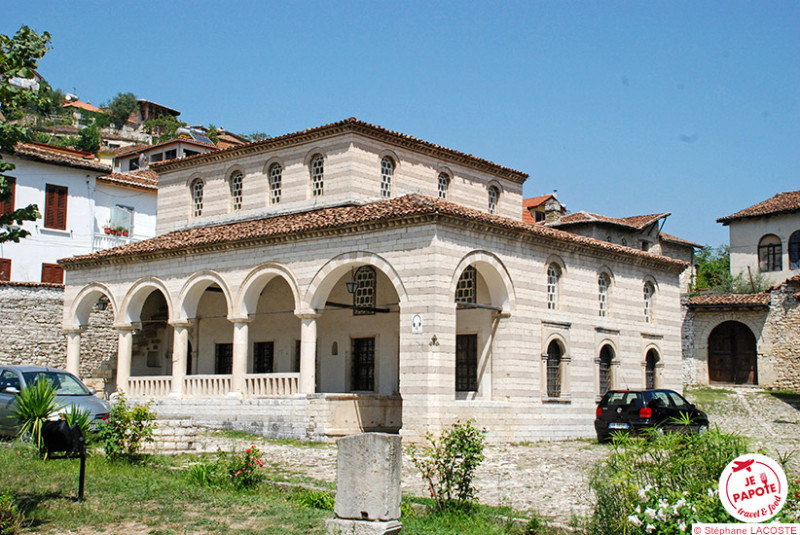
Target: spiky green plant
82	418
34	405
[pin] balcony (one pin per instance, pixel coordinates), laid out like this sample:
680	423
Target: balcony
103	241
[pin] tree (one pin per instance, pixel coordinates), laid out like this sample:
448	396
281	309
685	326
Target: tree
714	274
256	136
121	107
19	56
213	133
89	139
163	127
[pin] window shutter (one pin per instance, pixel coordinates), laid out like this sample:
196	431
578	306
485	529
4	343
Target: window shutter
8	206
52	273
5	269
55	209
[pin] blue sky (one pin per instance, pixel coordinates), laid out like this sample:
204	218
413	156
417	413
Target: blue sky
625	108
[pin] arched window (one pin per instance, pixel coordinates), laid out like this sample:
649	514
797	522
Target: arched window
770	253
650	362
465	289
364	296
648	290
553	277
794	250
494	195
444	185
197	198
603	283
387	172
236	191
317	176
275	172
554	354
604	365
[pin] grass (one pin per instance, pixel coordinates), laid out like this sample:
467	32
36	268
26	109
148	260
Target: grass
705	396
157	497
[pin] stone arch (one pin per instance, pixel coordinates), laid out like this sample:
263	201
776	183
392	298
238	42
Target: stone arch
193	289
78	314
323	281
131	308
494	273
652	363
246	299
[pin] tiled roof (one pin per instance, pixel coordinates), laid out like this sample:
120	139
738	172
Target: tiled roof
533	202
32	284
349	125
674	239
143	148
124	150
729	300
782	203
68	129
58	156
144	179
637	222
349	218
81	105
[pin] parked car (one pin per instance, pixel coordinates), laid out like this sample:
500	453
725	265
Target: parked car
70	391
631	411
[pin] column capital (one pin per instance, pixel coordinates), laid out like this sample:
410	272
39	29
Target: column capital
241	319
74	330
185	323
128	326
308	314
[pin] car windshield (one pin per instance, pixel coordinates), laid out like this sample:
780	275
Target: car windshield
65	383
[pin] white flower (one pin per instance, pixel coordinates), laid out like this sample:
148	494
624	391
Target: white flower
682	526
662	503
633	519
650	513
642	494
650	528
638	507
660	514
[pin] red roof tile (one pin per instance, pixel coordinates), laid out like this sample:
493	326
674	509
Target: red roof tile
783	203
349	125
674	239
637	222
346	219
729	300
533	202
59	156
82	105
142	148
144	179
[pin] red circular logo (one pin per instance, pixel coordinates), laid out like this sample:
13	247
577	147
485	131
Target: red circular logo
753	488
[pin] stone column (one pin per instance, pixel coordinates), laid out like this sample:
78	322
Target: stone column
180	342
241	342
308	352
124	355
74	351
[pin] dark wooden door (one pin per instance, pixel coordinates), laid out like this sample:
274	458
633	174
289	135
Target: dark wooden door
732	354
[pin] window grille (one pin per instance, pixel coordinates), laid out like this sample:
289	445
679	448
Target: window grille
602	294
465	289
263	354
364	296
387	172
275	173
794	250
197	198
606	357
648	302
650	369
494	194
317	176
236	192
770	254
553	275
444	185
223	359
554	354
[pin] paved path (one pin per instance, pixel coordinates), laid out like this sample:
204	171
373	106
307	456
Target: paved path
551	478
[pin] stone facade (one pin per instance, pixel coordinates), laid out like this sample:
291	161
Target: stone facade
775	325
30	329
248	311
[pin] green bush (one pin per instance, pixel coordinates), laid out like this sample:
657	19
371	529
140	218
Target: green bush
243	468
662	483
316	499
34	405
205	474
448	465
82	418
10	517
126	430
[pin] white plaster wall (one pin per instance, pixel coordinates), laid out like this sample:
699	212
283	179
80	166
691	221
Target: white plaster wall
143	203
745	235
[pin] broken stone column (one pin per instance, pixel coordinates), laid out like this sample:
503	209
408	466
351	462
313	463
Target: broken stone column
368	474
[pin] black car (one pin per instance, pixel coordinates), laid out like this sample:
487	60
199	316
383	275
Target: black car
634	410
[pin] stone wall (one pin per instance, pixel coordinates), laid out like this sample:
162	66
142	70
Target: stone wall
30	331
780	342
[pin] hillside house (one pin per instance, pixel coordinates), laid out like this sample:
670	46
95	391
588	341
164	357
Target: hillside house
348	278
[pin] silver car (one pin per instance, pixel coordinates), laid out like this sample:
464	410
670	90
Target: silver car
69	391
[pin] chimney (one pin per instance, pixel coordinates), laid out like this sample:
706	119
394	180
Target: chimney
552	209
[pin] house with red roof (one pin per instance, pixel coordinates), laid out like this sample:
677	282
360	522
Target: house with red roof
350	278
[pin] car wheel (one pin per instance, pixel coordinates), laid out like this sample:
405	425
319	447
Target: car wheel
702	429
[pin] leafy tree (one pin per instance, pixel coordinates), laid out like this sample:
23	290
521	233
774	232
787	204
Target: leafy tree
213	133
19	56
89	139
713	267
256	136
121	107
163	127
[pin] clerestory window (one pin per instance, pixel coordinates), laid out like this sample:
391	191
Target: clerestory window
197	198
387	173
236	191
275	176
317	176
